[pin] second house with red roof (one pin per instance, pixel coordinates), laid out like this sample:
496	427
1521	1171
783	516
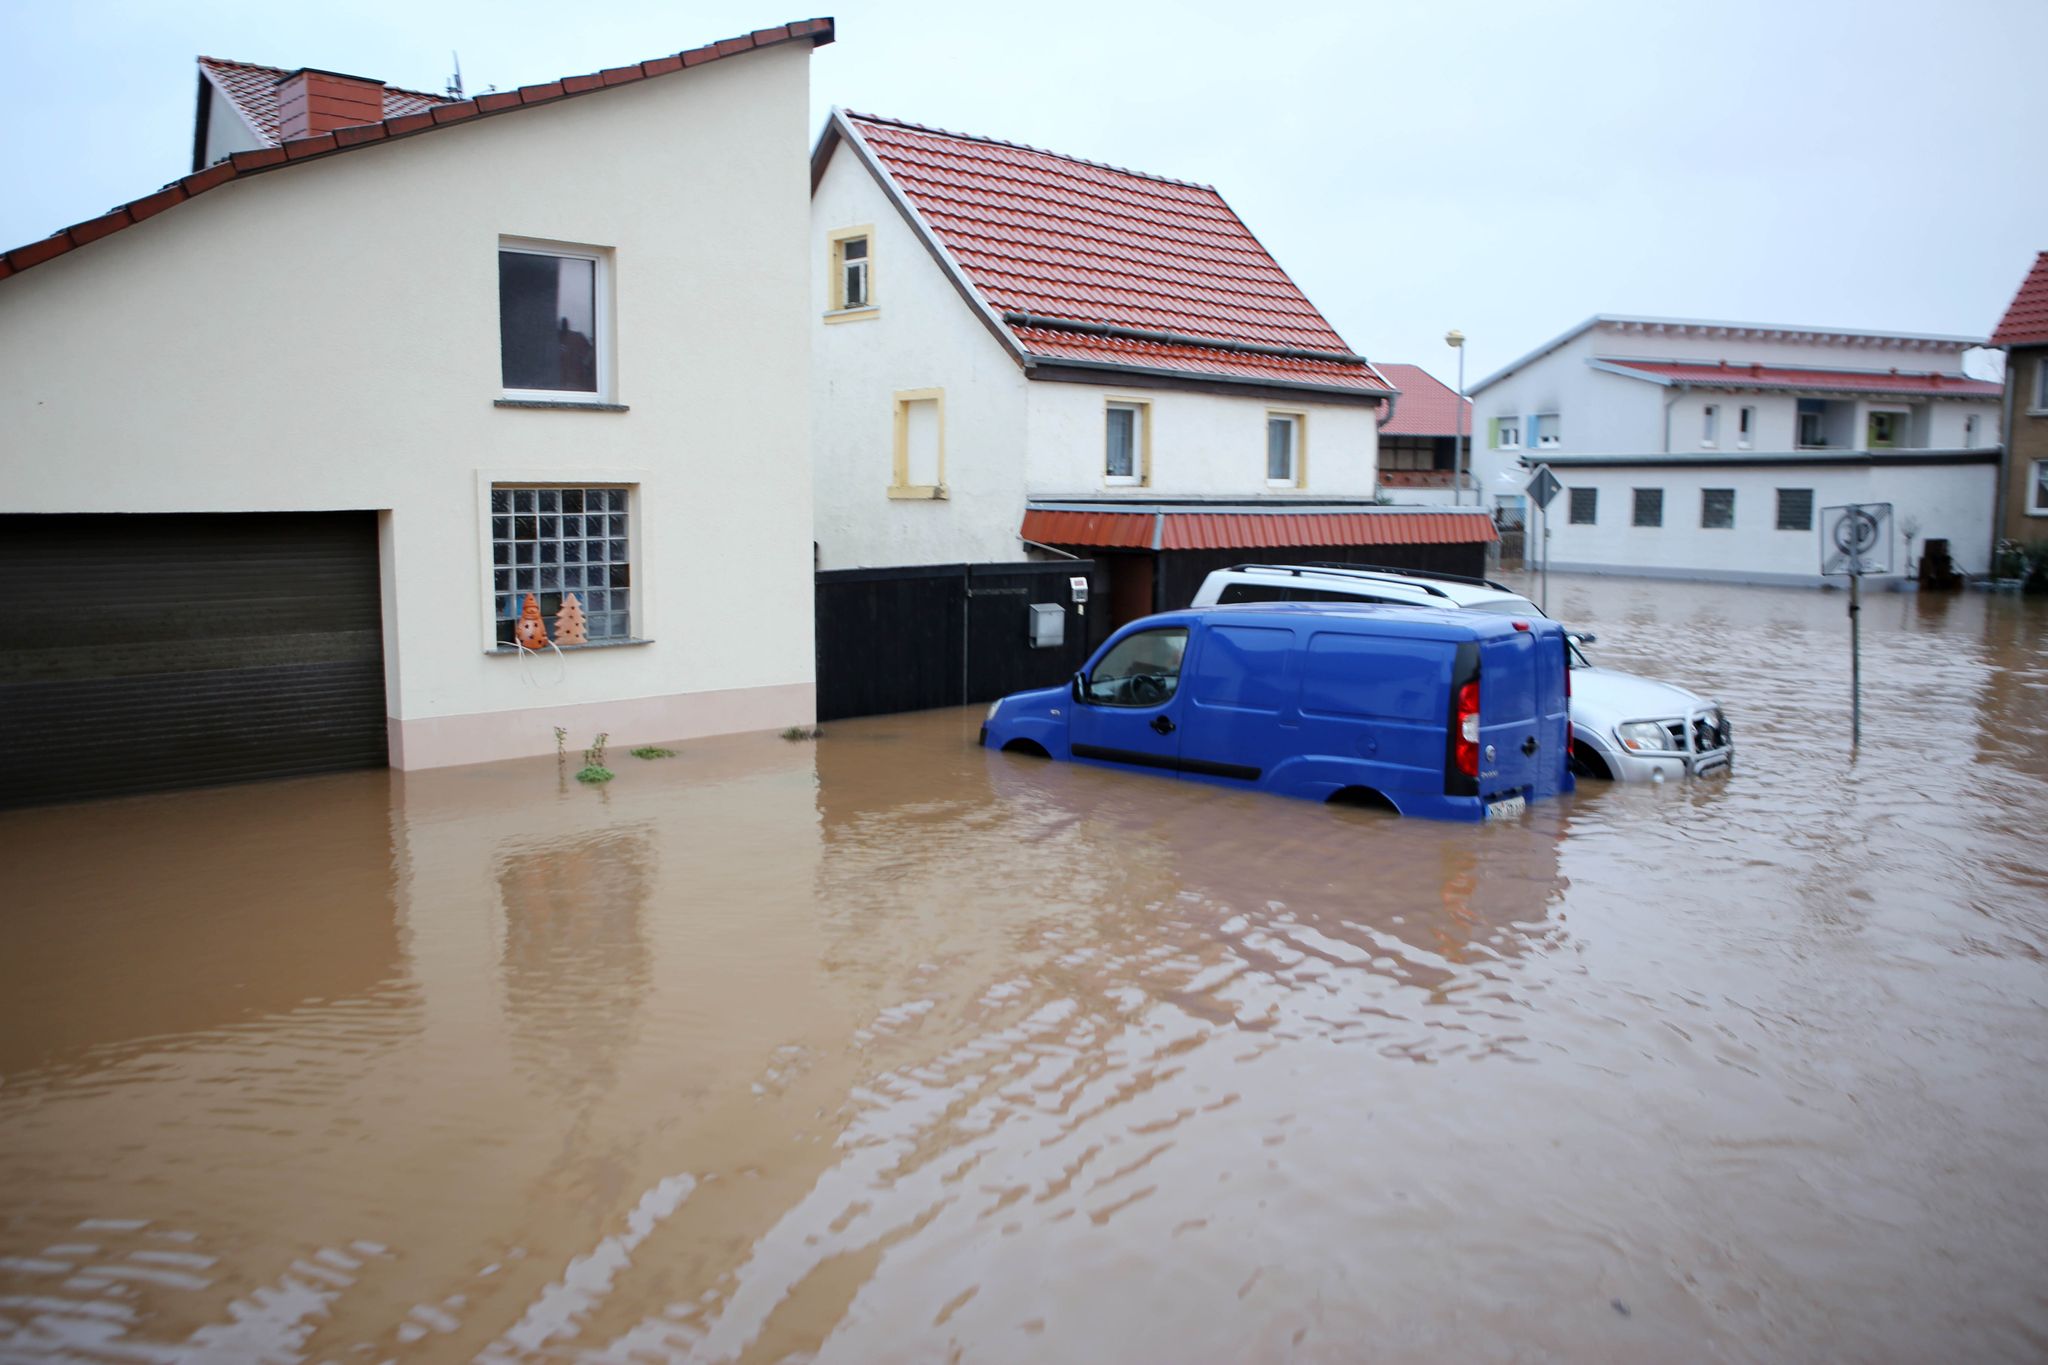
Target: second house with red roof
1019	355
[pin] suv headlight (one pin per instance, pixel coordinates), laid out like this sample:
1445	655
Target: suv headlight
1644	736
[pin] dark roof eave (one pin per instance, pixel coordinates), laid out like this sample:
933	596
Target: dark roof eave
1050	368
817	31
1049	323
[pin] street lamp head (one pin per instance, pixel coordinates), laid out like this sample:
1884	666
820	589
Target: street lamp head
1454	338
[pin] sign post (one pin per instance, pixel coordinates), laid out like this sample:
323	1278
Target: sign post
1543	489
1856	539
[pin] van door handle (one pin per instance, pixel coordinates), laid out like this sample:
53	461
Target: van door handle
1530	746
1163	724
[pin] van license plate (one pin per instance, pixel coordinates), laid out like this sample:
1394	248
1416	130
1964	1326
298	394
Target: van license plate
1507	808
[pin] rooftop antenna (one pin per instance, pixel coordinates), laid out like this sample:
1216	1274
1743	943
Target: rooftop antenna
455	81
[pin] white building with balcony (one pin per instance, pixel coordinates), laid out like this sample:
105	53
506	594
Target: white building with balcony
1700	449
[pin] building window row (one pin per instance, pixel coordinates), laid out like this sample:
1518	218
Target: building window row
1127	446
1717	507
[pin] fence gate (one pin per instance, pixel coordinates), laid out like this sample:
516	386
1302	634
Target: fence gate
913	638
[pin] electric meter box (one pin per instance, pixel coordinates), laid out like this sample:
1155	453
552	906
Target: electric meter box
1048	625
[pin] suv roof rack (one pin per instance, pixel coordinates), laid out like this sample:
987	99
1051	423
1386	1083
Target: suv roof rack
1423	575
1299	569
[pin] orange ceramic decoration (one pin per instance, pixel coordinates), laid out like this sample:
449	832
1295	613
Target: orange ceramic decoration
569	625
530	633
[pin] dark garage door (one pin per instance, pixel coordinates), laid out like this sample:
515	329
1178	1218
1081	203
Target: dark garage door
150	652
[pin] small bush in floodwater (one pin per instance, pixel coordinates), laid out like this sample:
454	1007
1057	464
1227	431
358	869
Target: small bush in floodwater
593	762
561	745
653	751
797	732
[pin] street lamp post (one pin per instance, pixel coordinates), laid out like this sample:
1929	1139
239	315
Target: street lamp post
1461	454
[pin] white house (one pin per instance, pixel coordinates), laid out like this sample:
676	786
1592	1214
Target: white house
1703	449
1016	349
290	442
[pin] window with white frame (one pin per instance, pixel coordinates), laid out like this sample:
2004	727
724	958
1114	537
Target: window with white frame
1970	432
1283	449
1549	434
1504	433
1813	424
1124	454
852	266
554	542
1745	428
2037	490
1710	425
552	323
2040	403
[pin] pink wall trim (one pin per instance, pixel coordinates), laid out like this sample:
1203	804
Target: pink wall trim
445	741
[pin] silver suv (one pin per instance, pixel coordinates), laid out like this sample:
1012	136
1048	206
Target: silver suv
1634	729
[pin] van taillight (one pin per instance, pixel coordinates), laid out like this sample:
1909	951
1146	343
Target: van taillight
1465	752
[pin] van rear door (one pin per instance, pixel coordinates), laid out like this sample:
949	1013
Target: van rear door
1514	747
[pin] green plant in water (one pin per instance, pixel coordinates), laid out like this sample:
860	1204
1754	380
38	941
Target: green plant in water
797	732
653	751
593	762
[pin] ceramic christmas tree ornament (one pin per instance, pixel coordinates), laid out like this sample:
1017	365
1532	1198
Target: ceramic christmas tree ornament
530	633
569	625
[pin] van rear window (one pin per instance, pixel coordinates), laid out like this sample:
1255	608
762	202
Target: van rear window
1372	675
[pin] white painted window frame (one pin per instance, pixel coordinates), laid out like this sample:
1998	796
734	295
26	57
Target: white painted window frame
1549	431
1141	454
1710	427
1508	432
2037	489
1297	430
2040	403
1745	427
601	321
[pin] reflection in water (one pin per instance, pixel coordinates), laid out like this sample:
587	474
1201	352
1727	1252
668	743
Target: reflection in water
576	964
889	1048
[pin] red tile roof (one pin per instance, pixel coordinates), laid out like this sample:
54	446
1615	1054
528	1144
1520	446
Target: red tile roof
817	32
252	90
1253	529
2026	321
1726	376
1427	406
1153	268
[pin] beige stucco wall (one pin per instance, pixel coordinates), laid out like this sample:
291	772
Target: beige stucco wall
324	336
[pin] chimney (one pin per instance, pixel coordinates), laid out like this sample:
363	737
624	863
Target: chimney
311	102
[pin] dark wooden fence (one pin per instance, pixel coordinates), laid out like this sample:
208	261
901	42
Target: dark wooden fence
908	639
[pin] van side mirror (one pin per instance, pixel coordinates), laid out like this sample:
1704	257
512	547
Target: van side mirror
1075	684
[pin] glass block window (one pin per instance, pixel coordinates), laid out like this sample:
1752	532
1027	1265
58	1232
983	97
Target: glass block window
1649	509
1795	509
1717	508
555	541
1585	506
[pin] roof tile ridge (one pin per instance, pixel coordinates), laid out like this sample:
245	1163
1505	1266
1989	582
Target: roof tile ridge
1027	147
283	71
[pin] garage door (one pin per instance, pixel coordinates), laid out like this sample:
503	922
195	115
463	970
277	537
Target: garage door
149	652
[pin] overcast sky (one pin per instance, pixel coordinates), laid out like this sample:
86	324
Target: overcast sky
1504	168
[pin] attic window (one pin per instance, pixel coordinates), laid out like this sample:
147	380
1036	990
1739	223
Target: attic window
852	267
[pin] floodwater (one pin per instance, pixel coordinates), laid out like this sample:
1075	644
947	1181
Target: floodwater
886	1049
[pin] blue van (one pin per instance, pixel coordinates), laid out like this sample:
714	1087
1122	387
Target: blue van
1457	715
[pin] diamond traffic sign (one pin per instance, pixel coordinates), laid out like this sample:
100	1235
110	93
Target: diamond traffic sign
1544	488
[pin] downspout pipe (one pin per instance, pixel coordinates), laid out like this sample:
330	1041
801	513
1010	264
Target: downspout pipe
2000	493
1677	393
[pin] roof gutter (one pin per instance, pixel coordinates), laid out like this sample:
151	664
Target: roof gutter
1108	329
1036	362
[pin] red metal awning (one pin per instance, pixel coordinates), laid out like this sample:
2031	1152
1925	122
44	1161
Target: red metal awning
1232	529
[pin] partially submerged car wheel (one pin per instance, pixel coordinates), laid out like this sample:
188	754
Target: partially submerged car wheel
1586	762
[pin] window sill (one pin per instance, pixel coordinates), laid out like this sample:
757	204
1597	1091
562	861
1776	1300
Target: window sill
919	492
502	650
559	404
863	314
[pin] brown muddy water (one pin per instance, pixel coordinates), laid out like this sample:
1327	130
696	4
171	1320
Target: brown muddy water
886	1049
